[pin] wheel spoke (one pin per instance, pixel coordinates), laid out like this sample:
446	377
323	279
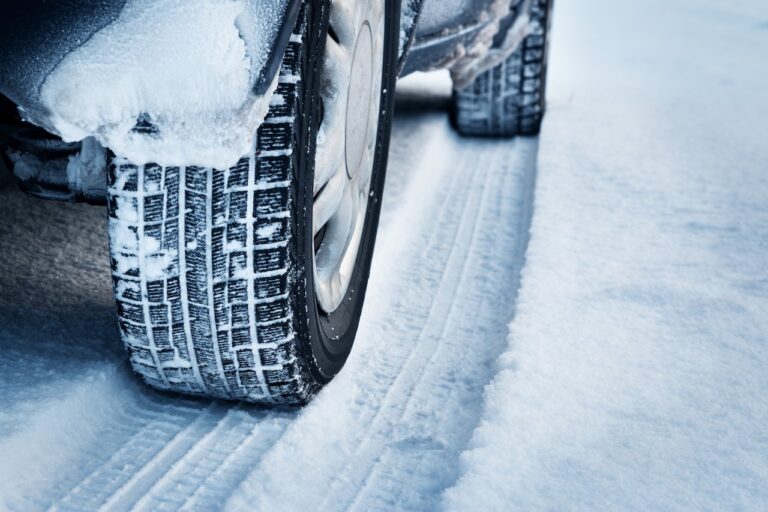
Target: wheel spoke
328	201
366	172
329	258
330	142
345	19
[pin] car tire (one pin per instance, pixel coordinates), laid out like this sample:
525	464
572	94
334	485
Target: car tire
509	99
214	270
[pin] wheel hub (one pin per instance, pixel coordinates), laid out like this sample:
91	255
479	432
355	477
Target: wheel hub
359	100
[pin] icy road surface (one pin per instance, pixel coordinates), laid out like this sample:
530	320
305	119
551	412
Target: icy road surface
626	370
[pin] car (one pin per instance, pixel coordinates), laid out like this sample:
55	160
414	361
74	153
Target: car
241	149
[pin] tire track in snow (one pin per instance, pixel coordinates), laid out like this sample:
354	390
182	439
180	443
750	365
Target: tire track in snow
201	460
154	444
412	471
412	373
190	459
209	471
181	445
220	484
136	428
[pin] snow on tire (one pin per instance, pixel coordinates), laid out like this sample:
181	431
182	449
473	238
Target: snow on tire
509	99
212	269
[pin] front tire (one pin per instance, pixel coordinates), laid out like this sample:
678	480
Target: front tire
214	270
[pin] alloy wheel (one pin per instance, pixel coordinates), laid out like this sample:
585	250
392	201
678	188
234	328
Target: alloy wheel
350	90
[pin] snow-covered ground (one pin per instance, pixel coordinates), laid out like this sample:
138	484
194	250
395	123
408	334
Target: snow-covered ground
636	375
616	361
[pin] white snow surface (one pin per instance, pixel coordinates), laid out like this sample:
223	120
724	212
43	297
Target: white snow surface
571	323
635	378
189	65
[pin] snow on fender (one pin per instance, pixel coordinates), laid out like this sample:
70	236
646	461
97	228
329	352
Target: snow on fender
170	81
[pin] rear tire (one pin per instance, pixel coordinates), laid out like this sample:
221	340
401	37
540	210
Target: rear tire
509	99
213	269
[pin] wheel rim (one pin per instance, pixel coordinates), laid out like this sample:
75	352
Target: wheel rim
350	90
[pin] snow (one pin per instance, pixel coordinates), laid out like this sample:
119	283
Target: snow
408	12
628	372
185	67
268	230
635	375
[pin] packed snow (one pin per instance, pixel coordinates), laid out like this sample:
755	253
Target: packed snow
576	322
170	81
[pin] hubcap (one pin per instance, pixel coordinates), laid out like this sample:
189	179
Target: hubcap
359	101
351	94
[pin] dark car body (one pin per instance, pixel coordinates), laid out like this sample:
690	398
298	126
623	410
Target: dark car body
35	35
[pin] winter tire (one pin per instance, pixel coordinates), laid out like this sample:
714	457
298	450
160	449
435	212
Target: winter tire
509	98
248	283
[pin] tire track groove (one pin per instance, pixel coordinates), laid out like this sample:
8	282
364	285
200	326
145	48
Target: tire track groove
430	338
422	452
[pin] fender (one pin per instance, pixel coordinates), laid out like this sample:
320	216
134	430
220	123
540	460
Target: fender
36	35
